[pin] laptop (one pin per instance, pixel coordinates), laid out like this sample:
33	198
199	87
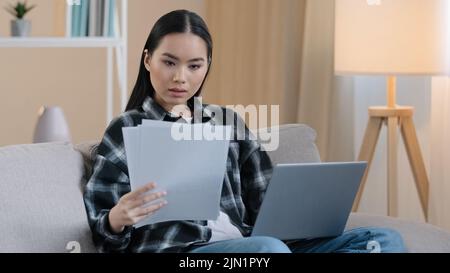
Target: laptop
310	200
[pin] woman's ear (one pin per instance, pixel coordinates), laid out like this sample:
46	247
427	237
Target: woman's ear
147	59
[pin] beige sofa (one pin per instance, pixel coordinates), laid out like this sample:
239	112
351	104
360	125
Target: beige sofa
42	210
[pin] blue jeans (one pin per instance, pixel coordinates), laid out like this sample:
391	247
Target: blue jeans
359	240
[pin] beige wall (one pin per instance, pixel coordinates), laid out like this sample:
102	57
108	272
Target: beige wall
257	48
74	79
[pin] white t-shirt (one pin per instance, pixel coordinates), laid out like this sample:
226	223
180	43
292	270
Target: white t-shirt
223	229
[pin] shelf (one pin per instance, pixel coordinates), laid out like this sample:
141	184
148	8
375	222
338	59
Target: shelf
115	45
59	42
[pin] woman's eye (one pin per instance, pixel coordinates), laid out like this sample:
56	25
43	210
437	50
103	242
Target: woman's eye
194	66
169	63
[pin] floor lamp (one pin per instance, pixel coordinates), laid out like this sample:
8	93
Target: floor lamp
392	37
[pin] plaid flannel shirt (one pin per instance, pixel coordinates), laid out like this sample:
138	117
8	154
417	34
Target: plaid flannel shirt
248	170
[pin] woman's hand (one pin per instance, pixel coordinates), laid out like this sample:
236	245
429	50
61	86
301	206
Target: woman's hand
131	207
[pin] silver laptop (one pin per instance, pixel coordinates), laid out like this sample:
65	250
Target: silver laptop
309	200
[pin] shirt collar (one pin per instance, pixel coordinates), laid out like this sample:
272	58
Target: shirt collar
157	112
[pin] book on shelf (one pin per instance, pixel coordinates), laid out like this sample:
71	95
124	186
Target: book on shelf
112	18
91	18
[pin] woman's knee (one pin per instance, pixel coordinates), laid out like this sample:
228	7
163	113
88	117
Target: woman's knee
264	244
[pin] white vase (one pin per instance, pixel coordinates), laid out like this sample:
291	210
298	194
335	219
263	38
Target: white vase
51	126
20	28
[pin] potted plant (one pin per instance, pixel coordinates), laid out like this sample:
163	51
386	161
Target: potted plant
20	27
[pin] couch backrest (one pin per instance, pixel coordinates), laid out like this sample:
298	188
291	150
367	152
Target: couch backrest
41	205
296	144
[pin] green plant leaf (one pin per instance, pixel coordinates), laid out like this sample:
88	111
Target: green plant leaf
19	9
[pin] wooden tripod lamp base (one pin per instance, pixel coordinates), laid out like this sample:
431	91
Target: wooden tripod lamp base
394	116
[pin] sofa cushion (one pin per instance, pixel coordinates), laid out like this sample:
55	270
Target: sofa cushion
304	150
42	209
88	150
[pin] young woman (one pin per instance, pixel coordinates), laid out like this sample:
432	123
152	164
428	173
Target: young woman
175	63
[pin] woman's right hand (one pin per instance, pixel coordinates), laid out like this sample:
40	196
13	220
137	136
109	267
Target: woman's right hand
131	207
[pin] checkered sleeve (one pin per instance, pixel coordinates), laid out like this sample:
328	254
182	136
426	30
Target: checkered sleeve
107	184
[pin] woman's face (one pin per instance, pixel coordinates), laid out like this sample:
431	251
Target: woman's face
177	68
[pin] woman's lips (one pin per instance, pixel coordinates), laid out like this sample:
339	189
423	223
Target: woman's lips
175	92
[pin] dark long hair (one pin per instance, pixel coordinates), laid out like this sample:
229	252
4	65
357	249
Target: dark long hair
178	21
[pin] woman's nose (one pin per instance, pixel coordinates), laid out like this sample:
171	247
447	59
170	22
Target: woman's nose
179	76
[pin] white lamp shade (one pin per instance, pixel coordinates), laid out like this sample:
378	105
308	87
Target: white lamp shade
392	37
51	126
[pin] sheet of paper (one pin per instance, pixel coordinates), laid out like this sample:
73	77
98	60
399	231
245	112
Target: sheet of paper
131	142
191	171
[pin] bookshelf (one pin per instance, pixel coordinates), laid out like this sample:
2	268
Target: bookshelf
115	46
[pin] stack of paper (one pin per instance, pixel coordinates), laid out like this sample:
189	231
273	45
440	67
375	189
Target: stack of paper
186	160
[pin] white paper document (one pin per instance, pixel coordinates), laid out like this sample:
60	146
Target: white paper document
186	160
